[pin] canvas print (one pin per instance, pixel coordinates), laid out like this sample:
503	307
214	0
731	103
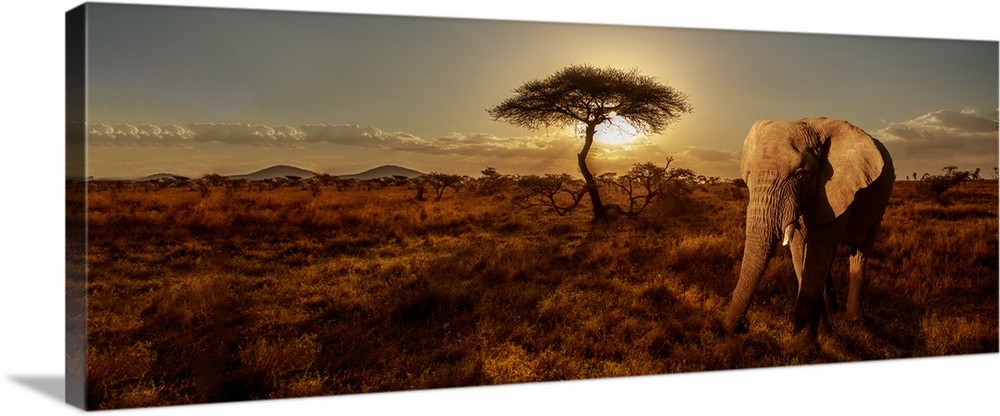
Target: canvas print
267	204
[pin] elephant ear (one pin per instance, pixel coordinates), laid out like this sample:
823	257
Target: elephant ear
852	162
750	145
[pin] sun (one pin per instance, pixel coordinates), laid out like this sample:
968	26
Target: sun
616	131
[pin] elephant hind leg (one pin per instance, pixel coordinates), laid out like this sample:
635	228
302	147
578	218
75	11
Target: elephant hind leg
857	275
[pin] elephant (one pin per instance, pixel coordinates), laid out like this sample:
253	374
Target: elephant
814	184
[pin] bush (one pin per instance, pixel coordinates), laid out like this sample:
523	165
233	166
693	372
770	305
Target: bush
493	182
646	182
560	192
936	185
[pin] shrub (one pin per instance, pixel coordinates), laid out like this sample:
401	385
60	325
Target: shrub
936	185
559	192
493	182
437	181
645	182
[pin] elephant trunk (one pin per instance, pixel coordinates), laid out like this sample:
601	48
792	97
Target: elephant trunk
763	229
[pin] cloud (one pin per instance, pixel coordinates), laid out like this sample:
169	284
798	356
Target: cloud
341	134
361	136
247	134
458	144
942	129
489	145
940	138
478	145
176	136
143	135
964	122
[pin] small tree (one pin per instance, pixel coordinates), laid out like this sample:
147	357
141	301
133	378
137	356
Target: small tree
314	186
203	187
344	184
400	180
645	182
293	180
214	179
437	181
325	179
586	96
936	185
235	185
418	184
559	192
492	182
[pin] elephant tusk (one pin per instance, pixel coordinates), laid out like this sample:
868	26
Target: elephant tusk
789	231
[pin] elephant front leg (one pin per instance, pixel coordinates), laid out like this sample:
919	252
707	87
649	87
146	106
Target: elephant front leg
810	305
857	275
809	308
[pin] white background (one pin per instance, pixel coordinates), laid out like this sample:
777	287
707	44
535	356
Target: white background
31	232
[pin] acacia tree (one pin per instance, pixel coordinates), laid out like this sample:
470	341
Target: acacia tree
645	182
936	185
559	192
585	96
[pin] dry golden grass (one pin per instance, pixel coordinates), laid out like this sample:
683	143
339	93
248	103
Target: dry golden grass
256	295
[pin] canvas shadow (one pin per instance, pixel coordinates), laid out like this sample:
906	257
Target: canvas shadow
53	387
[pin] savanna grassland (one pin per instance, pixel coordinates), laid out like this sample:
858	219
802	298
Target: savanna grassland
253	294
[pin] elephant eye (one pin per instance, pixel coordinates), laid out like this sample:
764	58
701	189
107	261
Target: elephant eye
800	173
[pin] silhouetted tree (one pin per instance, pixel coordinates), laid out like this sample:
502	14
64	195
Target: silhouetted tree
441	181
975	175
585	96
214	179
263	184
235	185
935	185
314	185
325	179
400	180
143	186
419	184
559	192
203	186
181	181
645	182
707	180
493	182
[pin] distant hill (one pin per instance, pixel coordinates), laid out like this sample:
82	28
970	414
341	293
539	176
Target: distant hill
158	176
279	171
386	171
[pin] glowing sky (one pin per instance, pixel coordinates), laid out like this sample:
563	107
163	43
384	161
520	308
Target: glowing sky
192	91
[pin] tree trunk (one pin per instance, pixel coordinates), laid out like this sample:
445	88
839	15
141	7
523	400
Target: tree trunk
600	211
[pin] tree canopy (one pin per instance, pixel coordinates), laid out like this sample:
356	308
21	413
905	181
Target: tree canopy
591	96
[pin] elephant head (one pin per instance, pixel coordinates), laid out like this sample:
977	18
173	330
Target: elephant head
798	173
